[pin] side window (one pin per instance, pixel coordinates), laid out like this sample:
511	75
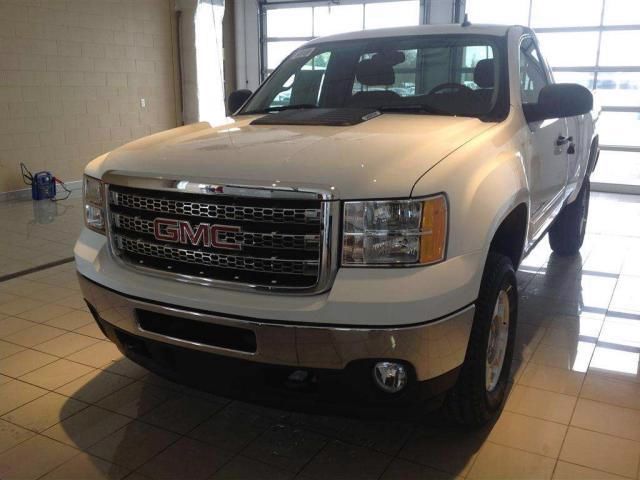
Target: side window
532	72
305	87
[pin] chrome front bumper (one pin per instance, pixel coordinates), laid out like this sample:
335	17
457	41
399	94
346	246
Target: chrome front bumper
433	348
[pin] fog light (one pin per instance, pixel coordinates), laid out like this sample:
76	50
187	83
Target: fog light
389	376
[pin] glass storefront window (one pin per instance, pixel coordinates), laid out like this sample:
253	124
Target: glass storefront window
570	49
278	51
289	22
565	13
620	129
337	19
509	12
622	12
618	89
618	167
582	78
391	14
620	48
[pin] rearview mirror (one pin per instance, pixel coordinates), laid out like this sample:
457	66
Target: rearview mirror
236	100
560	100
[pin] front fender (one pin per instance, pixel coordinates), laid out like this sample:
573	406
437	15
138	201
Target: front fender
484	181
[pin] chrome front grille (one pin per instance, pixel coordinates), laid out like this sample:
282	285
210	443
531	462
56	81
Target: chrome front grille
277	244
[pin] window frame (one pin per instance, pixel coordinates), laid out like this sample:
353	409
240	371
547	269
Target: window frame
548	78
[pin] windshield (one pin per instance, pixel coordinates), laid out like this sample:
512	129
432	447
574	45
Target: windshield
435	74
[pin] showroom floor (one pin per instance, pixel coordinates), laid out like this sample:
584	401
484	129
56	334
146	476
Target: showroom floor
72	407
39	233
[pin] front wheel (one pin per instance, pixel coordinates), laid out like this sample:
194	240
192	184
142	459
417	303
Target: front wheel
567	233
481	387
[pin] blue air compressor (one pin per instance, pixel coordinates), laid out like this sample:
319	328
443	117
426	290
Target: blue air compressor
43	184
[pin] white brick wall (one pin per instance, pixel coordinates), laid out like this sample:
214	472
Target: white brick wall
72	73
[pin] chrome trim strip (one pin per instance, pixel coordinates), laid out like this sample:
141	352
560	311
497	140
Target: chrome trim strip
329	228
208	186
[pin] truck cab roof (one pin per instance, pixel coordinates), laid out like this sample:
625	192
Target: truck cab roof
449	29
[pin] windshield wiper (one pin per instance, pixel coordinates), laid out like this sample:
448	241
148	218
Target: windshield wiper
281	108
418	108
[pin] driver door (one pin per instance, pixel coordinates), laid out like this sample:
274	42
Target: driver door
545	152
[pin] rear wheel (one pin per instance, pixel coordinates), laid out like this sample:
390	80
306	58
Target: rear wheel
567	233
481	388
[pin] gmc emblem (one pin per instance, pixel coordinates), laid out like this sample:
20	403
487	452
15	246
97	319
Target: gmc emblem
180	231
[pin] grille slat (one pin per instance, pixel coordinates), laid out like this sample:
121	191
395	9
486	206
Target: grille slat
263	242
210	259
216	211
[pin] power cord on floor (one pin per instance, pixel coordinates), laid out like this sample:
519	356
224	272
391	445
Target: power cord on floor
64	187
27	176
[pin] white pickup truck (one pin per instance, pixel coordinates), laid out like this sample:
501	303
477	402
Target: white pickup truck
352	233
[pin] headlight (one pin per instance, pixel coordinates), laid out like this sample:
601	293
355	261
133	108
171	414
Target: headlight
93	194
392	232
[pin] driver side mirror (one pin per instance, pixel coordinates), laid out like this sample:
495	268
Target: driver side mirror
236	100
560	100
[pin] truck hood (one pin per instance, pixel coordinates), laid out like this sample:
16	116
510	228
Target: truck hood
380	158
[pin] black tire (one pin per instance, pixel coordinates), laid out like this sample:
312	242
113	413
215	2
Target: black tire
567	232
469	402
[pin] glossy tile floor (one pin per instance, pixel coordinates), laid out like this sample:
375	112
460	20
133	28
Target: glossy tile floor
36	233
72	407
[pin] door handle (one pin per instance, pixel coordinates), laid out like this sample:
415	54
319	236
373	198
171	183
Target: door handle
562	140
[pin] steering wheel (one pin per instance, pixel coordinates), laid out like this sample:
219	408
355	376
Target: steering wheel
450	86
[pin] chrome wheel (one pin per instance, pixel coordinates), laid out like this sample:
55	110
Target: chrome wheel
498	339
